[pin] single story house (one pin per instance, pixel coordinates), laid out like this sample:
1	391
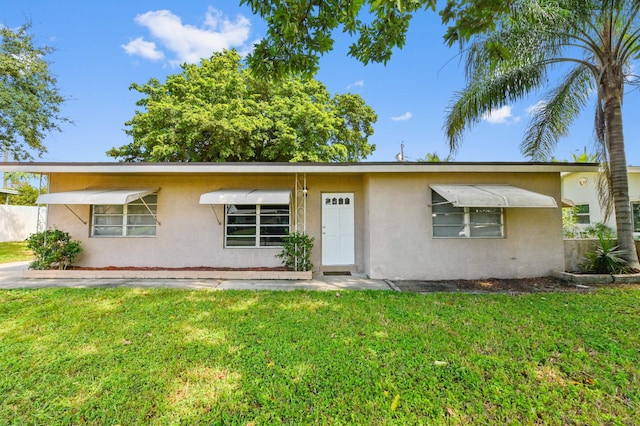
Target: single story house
581	187
432	221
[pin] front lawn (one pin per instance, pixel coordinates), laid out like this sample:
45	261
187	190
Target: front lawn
159	356
14	252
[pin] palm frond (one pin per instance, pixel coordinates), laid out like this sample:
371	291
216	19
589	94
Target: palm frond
603	189
560	109
486	94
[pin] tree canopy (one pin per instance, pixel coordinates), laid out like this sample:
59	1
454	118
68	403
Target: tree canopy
218	111
300	32
24	184
29	97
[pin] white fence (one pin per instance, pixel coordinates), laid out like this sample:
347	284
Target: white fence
17	222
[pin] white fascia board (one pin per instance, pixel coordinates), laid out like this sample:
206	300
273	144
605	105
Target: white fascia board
288	168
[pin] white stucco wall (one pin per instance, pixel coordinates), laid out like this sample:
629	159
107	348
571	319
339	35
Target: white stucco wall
17	222
581	188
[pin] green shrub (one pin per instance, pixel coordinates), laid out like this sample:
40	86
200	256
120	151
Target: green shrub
570	222
296	251
53	249
606	259
596	229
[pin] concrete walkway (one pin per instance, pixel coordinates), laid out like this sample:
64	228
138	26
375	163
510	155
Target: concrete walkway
11	278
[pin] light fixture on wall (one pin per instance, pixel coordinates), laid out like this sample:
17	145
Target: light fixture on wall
583	181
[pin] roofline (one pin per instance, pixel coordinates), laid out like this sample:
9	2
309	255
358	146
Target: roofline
630	170
287	168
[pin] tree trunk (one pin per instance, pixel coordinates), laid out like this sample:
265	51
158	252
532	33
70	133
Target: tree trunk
619	177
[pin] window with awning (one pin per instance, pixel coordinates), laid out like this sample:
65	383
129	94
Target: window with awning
476	211
464	222
253	217
114	212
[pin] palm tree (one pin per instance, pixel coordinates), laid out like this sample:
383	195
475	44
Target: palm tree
585	157
433	157
593	42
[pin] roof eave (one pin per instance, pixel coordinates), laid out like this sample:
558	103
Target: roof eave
287	168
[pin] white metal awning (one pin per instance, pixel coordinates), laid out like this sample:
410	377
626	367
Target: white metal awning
492	196
247	196
95	196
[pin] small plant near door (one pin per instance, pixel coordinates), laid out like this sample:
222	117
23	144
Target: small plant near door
296	251
53	249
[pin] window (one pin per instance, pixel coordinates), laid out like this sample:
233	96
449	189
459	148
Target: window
636	216
464	222
136	219
582	213
256	225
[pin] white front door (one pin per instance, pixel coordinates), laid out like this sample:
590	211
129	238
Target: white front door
338	231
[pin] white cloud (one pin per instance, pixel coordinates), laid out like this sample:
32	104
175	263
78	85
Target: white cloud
404	117
356	84
534	108
188	43
146	49
500	116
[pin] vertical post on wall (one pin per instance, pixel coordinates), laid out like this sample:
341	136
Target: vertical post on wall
295	205
300	207
300	204
42	224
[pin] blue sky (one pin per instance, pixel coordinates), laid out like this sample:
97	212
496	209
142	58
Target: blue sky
103	47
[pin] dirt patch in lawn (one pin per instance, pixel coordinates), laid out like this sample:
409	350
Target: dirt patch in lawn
511	286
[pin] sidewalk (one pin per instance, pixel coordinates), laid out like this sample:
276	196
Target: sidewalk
11	278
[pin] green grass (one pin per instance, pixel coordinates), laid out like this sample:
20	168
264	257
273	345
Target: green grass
158	356
14	252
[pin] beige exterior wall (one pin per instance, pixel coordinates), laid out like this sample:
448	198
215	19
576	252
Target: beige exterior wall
402	246
392	225
189	234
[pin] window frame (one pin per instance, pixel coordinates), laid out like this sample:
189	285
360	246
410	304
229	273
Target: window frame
150	211
636	224
580	215
467	224
258	225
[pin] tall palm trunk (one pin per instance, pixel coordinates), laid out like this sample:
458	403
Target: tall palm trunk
619	177
611	86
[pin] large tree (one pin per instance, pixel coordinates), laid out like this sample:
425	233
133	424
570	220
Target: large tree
300	32
593	42
218	111
29	97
